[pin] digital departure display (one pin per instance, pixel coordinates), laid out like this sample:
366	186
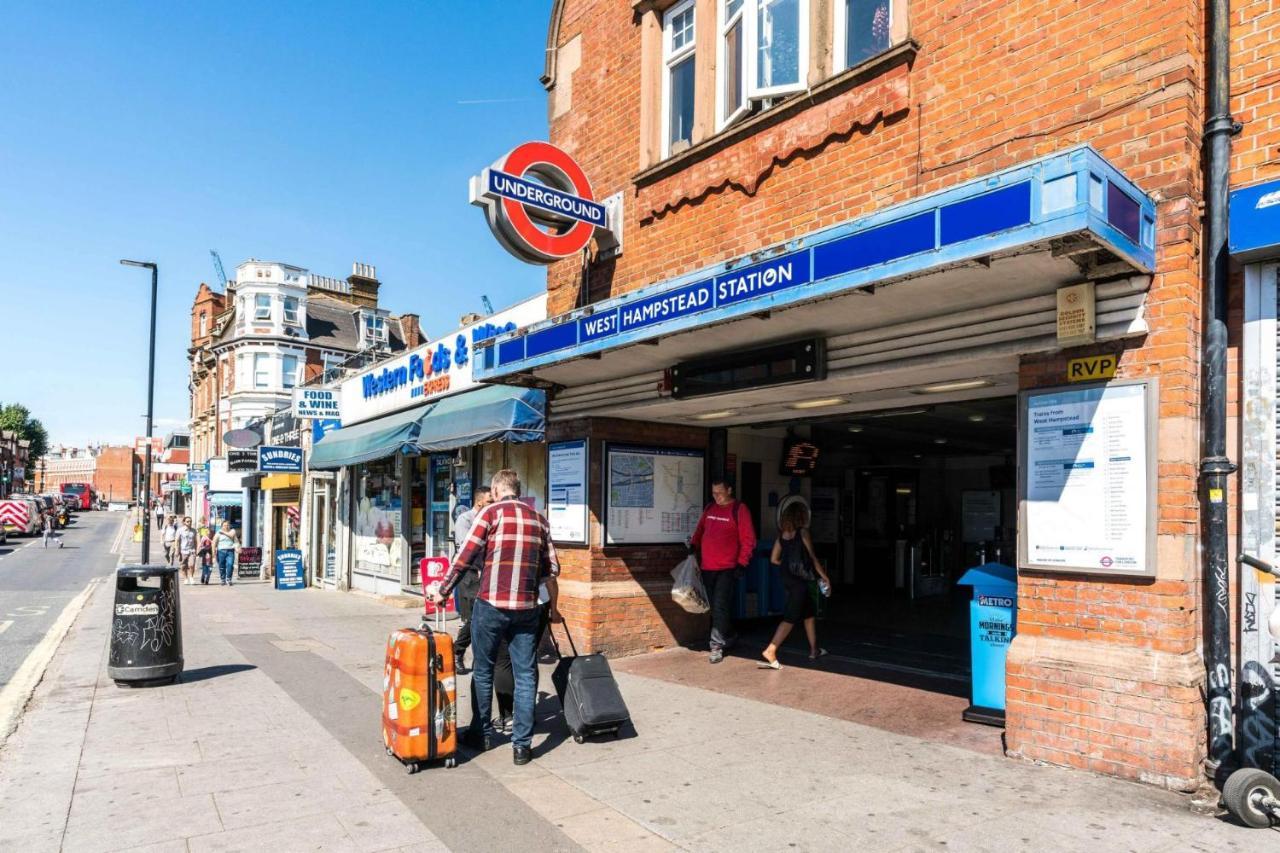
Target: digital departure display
776	364
799	458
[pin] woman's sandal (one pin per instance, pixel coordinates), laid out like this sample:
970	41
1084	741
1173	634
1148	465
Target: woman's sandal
821	654
768	664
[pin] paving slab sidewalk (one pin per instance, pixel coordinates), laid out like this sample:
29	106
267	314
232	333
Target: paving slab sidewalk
272	742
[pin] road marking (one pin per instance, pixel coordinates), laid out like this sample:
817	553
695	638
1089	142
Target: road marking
4	626
14	696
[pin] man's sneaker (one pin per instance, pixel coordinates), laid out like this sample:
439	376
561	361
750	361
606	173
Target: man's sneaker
521	755
504	724
717	655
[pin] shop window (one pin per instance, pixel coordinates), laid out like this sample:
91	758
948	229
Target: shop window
530	461
204	324
862	30
376	539
291	310
678	77
262	307
289	372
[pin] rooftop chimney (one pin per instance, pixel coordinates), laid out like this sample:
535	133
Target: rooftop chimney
364	284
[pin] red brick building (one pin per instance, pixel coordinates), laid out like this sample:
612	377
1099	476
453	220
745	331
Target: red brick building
941	181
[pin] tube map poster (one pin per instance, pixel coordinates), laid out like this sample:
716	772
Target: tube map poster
654	495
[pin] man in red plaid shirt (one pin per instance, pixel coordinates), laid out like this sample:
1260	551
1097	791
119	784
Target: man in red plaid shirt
511	542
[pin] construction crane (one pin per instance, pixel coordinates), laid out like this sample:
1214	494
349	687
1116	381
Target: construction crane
488	306
217	267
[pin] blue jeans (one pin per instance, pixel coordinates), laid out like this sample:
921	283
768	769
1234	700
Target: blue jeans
226	564
489	626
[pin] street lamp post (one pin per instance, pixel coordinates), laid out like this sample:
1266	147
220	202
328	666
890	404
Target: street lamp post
151	393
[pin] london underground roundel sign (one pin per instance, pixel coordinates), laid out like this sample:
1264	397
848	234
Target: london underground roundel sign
539	203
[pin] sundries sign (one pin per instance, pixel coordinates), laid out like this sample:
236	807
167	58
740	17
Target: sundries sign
280	460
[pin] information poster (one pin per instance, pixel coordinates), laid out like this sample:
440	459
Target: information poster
654	496
980	515
1088	456
567	491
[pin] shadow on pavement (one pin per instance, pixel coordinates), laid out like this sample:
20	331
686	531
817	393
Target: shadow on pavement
206	672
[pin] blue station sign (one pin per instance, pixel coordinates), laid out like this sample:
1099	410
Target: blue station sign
1254	230
1063	194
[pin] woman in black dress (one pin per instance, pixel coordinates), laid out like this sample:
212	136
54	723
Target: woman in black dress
794	556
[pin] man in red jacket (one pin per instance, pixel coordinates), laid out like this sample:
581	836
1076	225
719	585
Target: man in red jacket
726	539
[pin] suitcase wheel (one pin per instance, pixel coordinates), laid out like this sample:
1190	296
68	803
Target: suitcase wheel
412	767
450	763
579	738
390	751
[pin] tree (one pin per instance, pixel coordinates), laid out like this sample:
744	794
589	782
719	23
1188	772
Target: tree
17	418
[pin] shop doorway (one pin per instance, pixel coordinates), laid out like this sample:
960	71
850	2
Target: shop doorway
902	503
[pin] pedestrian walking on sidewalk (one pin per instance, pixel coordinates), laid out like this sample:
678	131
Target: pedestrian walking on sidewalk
169	535
225	545
726	538
186	547
204	554
49	526
469	586
794	556
513	541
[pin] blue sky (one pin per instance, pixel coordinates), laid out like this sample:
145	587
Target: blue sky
314	133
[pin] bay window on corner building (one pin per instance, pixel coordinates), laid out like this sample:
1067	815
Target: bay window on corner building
915	204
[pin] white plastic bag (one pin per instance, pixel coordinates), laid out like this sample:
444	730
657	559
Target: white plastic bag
688	591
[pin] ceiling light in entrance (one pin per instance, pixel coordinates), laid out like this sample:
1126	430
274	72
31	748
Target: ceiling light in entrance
977	418
818	404
711	416
856	428
947	387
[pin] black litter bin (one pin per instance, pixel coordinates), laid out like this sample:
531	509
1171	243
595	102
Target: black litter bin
146	628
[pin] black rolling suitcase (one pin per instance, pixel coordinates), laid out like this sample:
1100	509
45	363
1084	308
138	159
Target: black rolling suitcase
588	694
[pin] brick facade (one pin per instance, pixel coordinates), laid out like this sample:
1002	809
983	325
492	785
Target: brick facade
1105	674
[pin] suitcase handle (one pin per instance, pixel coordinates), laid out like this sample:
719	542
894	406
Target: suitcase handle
551	633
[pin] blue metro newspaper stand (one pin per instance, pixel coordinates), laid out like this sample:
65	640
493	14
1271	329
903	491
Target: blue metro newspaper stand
993	616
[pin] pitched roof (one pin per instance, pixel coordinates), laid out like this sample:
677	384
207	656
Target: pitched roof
331	323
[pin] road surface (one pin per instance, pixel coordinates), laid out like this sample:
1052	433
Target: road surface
37	583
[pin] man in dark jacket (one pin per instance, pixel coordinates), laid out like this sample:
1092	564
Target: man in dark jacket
726	540
469	586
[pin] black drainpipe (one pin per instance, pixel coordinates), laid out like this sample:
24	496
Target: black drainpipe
1215	466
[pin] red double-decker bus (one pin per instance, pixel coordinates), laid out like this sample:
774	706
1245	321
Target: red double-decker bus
82	492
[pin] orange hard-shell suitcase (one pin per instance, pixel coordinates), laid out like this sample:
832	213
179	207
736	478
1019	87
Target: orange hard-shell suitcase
419	698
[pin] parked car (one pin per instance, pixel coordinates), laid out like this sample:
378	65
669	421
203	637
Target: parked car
20	515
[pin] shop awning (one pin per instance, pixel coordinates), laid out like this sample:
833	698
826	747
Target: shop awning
281	481
491	413
375	439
